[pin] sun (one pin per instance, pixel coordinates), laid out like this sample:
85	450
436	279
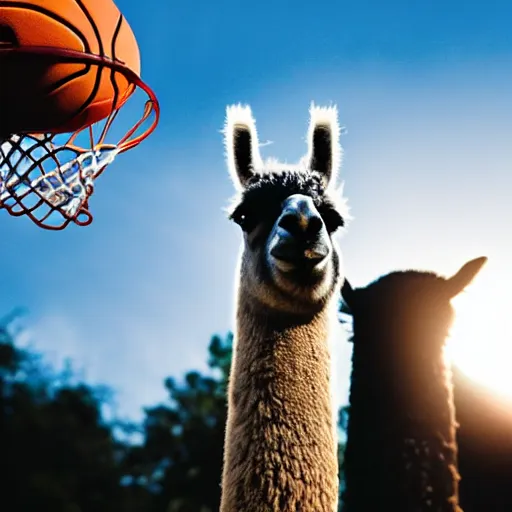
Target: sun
480	342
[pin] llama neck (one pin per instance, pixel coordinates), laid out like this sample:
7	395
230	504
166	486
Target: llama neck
401	431
281	447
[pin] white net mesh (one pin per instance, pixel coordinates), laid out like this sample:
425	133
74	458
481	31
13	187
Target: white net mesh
50	183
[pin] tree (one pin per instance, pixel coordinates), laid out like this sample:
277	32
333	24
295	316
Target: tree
57	453
180	461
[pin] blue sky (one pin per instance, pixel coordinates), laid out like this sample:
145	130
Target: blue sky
424	92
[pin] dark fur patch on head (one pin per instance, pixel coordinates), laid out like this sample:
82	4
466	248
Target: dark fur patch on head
402	285
396	290
264	194
276	187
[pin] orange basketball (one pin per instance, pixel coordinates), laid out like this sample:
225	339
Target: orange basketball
46	93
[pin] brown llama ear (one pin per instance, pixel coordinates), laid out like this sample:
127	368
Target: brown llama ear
347	296
241	143
457	283
325	153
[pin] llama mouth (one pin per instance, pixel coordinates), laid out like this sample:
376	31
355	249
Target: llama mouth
291	256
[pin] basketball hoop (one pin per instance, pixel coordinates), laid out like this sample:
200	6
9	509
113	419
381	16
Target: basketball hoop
50	177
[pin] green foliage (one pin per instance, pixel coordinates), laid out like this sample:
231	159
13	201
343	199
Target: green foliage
57	453
181	458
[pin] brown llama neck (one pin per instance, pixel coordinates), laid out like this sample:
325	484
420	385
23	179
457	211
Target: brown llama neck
401	429
281	446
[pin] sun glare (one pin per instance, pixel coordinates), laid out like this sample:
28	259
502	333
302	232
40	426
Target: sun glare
481	337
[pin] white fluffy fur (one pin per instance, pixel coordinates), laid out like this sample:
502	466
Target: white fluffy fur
328	117
241	115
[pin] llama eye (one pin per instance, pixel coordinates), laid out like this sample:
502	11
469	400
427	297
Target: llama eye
333	220
244	220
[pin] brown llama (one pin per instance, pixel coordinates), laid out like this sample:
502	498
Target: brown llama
281	442
401	451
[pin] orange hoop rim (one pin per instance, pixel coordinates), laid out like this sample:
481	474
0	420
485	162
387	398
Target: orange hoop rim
79	57
128	141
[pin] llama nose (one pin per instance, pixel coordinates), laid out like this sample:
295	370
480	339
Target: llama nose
299	233
300	226
300	218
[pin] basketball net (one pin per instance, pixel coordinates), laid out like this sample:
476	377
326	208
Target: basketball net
50	177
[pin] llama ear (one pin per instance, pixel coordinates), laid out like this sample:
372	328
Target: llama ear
347	296
324	155
241	143
464	276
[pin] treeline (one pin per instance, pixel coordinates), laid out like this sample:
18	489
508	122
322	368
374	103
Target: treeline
60	454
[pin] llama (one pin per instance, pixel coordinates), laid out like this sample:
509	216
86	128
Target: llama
281	442
401	451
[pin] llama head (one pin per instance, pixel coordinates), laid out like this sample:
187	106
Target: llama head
407	307
288	213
